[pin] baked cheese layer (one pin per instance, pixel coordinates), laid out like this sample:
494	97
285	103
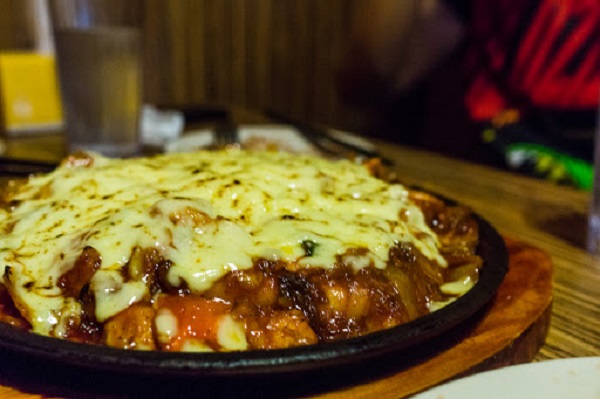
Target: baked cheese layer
208	213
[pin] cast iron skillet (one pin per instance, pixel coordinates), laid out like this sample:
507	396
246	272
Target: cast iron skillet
370	348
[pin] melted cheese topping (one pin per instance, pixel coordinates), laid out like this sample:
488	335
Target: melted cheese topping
208	213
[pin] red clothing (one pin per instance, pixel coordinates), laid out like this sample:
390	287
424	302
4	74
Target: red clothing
542	54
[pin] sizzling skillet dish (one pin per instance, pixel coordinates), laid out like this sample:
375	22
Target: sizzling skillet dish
225	251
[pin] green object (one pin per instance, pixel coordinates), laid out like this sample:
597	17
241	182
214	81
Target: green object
550	164
309	247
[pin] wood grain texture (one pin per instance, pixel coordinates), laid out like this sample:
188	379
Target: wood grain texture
7	392
258	54
16	30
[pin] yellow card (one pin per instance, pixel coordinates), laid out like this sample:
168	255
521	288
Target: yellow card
29	93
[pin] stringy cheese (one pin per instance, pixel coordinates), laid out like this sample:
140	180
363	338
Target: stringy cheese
232	207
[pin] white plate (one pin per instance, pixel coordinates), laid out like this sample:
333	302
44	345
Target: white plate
575	378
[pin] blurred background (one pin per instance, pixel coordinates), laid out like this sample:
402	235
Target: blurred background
299	58
260	54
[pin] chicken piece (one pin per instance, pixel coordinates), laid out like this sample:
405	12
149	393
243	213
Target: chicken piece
256	287
132	328
341	304
280	329
78	159
75	279
148	265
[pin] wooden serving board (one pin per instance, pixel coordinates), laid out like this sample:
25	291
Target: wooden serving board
510	332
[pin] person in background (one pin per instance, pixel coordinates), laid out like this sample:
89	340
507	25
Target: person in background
496	81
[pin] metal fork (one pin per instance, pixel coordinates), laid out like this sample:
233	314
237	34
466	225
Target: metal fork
225	135
324	141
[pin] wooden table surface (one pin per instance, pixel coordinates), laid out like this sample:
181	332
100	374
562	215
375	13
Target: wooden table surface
537	213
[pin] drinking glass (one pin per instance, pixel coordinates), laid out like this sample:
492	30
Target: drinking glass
99	56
